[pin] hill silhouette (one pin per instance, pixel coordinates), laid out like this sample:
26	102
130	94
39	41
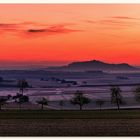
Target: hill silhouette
95	65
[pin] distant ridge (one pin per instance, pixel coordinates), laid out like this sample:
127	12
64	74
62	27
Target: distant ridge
95	65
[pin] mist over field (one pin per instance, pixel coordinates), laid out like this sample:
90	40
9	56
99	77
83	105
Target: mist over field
57	84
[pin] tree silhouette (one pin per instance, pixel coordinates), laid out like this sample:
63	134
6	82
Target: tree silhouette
100	102
21	99
17	96
80	99
116	97
2	102
22	84
42	102
137	94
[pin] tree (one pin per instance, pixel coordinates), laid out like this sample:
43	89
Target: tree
100	102
116	97
61	103
80	99
137	94
2	102
17	96
22	84
42	102
22	99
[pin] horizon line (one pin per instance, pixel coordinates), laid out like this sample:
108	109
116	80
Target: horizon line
60	61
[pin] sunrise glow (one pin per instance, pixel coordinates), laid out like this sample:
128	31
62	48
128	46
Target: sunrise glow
70	32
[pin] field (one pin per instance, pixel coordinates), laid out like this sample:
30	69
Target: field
70	123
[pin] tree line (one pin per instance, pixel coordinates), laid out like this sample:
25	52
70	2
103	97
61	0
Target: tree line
79	97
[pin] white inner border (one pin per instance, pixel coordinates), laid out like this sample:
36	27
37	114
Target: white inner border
69	1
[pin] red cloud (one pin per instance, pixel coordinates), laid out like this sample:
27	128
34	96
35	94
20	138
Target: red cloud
35	29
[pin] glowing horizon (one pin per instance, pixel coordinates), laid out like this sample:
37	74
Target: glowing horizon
70	32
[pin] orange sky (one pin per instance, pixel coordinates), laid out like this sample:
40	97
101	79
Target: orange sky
70	32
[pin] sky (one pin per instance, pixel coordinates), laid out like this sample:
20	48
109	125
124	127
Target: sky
63	33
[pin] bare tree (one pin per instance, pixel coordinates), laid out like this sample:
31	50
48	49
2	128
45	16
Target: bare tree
137	94
116	97
3	100
22	84
21	99
80	99
42	102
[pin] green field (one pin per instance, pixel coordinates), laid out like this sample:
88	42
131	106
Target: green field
70	123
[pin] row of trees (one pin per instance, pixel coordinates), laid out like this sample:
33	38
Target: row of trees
116	98
81	100
78	99
21	99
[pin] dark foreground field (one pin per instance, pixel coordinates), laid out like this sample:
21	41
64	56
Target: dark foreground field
70	123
